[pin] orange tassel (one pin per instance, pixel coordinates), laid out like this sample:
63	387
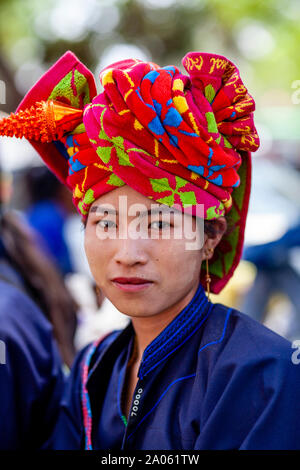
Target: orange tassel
45	121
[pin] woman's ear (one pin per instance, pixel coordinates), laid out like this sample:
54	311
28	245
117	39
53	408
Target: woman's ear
218	228
83	222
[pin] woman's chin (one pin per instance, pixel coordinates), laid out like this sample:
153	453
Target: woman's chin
132	310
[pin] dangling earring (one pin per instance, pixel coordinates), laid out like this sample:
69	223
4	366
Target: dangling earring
207	276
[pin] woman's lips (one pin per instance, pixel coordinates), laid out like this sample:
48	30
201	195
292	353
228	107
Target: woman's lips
131	284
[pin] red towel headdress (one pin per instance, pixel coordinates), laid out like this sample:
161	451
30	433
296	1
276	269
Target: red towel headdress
177	139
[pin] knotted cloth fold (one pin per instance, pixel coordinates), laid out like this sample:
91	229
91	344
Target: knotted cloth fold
178	139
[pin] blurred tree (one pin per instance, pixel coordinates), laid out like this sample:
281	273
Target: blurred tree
261	36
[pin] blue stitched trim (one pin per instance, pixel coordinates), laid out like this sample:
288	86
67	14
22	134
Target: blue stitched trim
188	376
175	332
175	335
223	333
160	398
185	339
172	329
85	399
111	335
121	376
120	381
174	324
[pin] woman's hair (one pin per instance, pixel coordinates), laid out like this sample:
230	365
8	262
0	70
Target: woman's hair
41	184
42	281
211	228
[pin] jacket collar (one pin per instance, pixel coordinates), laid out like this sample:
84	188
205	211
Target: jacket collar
176	333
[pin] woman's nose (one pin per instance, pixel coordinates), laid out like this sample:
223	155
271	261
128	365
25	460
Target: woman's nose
129	252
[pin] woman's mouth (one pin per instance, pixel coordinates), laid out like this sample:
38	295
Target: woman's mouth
131	284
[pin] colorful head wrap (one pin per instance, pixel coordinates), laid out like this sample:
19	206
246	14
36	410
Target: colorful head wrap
178	139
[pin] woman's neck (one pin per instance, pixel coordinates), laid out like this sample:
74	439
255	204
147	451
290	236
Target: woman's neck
148	328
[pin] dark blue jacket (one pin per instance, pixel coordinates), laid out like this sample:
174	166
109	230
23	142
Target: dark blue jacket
48	219
212	379
31	379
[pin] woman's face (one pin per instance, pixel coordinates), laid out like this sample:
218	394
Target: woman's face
162	255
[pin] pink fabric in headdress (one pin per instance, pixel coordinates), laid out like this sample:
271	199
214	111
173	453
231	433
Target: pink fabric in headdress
177	139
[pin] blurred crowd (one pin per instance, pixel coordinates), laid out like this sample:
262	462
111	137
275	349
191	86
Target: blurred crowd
266	285
41	248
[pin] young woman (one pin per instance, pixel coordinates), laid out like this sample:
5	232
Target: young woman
159	164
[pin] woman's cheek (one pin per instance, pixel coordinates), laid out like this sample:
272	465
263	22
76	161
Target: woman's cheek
93	253
175	252
186	263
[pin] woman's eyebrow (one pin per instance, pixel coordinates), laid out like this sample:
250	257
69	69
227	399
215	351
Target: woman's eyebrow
155	210
102	210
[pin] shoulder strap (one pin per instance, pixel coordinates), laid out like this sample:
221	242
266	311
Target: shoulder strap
85	399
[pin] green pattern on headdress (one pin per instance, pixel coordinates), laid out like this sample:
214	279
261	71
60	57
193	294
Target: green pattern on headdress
80	129
168	200
122	155
233	216
82	210
160	185
211	123
89	197
228	257
216	268
214	212
114	180
65	88
118	143
238	192
227	143
104	153
209	92
188	198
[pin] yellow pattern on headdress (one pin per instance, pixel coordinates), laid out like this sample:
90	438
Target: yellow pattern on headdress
107	77
137	125
177	85
180	104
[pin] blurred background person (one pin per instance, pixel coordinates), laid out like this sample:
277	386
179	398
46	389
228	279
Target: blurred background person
37	324
275	274
273	296
24	264
21	259
48	211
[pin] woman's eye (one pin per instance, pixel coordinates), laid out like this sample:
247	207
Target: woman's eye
160	224
105	223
